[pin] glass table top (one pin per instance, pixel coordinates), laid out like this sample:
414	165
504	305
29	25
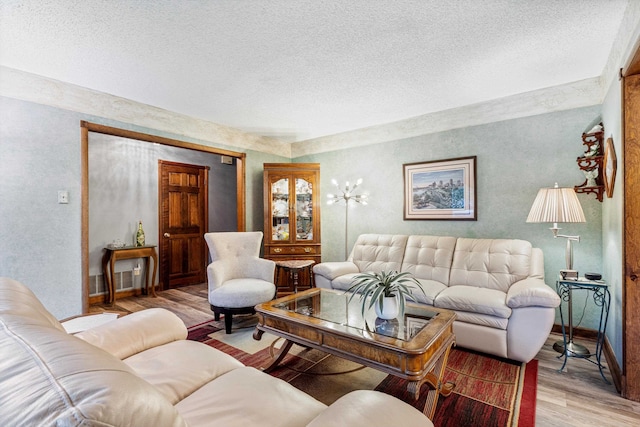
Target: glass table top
334	307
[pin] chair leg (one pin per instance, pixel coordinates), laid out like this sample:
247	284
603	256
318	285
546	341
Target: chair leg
228	314
227	322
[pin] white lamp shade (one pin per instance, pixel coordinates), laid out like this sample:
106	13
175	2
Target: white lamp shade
556	205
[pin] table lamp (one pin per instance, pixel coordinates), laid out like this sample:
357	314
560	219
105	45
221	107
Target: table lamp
561	205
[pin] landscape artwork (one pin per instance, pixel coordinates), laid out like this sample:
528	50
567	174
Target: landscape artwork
443	189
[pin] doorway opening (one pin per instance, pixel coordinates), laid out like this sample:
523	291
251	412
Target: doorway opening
126	192
631	231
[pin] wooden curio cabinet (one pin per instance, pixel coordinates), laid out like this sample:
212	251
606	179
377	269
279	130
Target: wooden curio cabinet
292	211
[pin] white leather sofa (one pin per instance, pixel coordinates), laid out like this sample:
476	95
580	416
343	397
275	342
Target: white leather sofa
495	286
140	370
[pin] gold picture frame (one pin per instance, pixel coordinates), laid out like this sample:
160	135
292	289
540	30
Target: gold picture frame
609	167
441	189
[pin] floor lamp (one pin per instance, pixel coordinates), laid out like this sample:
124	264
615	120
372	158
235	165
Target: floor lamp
346	196
557	205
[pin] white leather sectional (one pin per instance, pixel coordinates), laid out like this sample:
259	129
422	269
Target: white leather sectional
140	371
495	286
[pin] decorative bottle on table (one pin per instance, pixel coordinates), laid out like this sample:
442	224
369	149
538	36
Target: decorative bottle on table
140	235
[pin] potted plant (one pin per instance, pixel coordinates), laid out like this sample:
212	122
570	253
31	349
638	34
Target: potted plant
387	290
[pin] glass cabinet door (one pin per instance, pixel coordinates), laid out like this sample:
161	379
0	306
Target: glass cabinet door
291	211
280	209
304	209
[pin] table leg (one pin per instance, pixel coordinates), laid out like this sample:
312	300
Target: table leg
294	273
434	379
281	354
279	274
147	276
105	271
155	270
112	281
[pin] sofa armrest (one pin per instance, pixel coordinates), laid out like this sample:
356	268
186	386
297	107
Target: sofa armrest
216	274
367	408
532	292
136	332
331	270
262	268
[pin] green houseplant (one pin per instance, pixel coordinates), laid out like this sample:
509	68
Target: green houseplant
386	289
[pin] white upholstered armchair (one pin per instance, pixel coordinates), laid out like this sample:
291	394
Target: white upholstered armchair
238	278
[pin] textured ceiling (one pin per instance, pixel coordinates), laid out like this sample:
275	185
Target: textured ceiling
302	69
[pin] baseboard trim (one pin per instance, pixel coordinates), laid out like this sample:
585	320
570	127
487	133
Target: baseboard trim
101	299
612	364
589	334
607	350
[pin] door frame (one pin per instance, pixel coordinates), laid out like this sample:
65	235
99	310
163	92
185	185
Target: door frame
86	127
630	387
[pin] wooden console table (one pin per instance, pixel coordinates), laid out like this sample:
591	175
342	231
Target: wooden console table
112	255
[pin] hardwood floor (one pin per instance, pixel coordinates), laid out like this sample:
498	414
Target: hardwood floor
576	397
190	303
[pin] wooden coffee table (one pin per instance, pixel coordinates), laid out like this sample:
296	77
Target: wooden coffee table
415	347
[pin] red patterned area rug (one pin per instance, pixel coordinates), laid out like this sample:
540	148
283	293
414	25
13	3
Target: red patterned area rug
489	391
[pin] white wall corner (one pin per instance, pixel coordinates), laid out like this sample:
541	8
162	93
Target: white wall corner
624	46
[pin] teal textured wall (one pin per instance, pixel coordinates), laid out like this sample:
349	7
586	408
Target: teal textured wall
40	240
515	158
612	222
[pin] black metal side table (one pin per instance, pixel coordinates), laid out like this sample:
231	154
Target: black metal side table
602	299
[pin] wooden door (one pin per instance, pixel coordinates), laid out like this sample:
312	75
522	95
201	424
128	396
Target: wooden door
183	199
631	231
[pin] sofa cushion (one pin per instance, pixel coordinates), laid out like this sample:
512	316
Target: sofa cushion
366	407
474	300
51	378
490	263
136	332
430	287
179	368
378	252
247	397
429	257
245	292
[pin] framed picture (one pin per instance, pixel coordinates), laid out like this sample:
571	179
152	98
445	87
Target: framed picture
609	166
442	189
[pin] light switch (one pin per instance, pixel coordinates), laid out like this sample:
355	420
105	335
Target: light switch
63	196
